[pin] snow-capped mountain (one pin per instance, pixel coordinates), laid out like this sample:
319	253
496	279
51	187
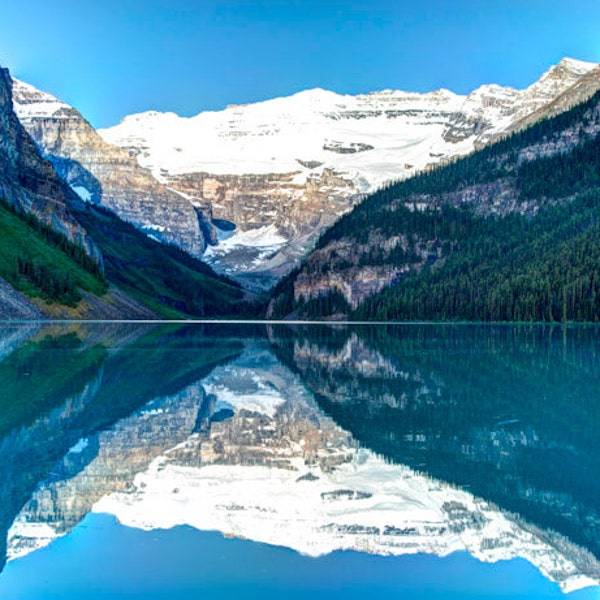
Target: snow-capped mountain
364	135
287	168
260	182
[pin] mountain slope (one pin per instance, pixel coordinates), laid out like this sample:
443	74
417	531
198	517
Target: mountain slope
284	170
162	277
509	233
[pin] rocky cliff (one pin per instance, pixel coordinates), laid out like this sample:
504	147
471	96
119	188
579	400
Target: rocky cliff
14	305
104	174
29	182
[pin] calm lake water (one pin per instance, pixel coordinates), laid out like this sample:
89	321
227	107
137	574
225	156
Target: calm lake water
214	461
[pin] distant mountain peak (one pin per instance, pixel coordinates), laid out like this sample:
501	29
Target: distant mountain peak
567	70
577	65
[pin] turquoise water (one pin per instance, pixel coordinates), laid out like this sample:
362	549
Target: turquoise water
501	420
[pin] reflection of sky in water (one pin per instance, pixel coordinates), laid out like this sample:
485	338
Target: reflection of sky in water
103	559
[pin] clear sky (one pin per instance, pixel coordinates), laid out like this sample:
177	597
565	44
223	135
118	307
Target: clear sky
110	58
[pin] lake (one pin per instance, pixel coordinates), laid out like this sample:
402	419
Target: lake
220	460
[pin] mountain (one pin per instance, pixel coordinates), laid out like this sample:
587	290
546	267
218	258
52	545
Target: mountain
284	170
507	233
64	255
586	86
250	188
101	173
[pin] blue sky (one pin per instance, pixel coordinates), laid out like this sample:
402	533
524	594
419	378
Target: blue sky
115	57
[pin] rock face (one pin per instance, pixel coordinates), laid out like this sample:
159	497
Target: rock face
285	169
29	182
277	218
104	174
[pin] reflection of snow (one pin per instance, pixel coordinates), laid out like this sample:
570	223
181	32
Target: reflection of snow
248	385
80	446
263	400
365	505
327	494
26	537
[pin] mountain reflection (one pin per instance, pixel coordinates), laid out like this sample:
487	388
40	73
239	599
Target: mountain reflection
62	385
389	440
510	413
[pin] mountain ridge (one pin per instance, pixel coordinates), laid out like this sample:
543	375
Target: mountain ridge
301	161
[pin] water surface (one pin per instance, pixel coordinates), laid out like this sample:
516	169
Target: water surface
427	461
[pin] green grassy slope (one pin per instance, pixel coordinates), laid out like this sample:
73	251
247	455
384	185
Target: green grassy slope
42	264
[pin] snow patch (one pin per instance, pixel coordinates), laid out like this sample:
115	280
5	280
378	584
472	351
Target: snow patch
83	193
264	237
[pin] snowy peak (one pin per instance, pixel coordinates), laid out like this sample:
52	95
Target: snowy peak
33	103
558	78
320	126
569	68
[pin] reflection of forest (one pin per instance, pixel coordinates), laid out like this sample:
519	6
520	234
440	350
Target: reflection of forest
64	383
511	413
